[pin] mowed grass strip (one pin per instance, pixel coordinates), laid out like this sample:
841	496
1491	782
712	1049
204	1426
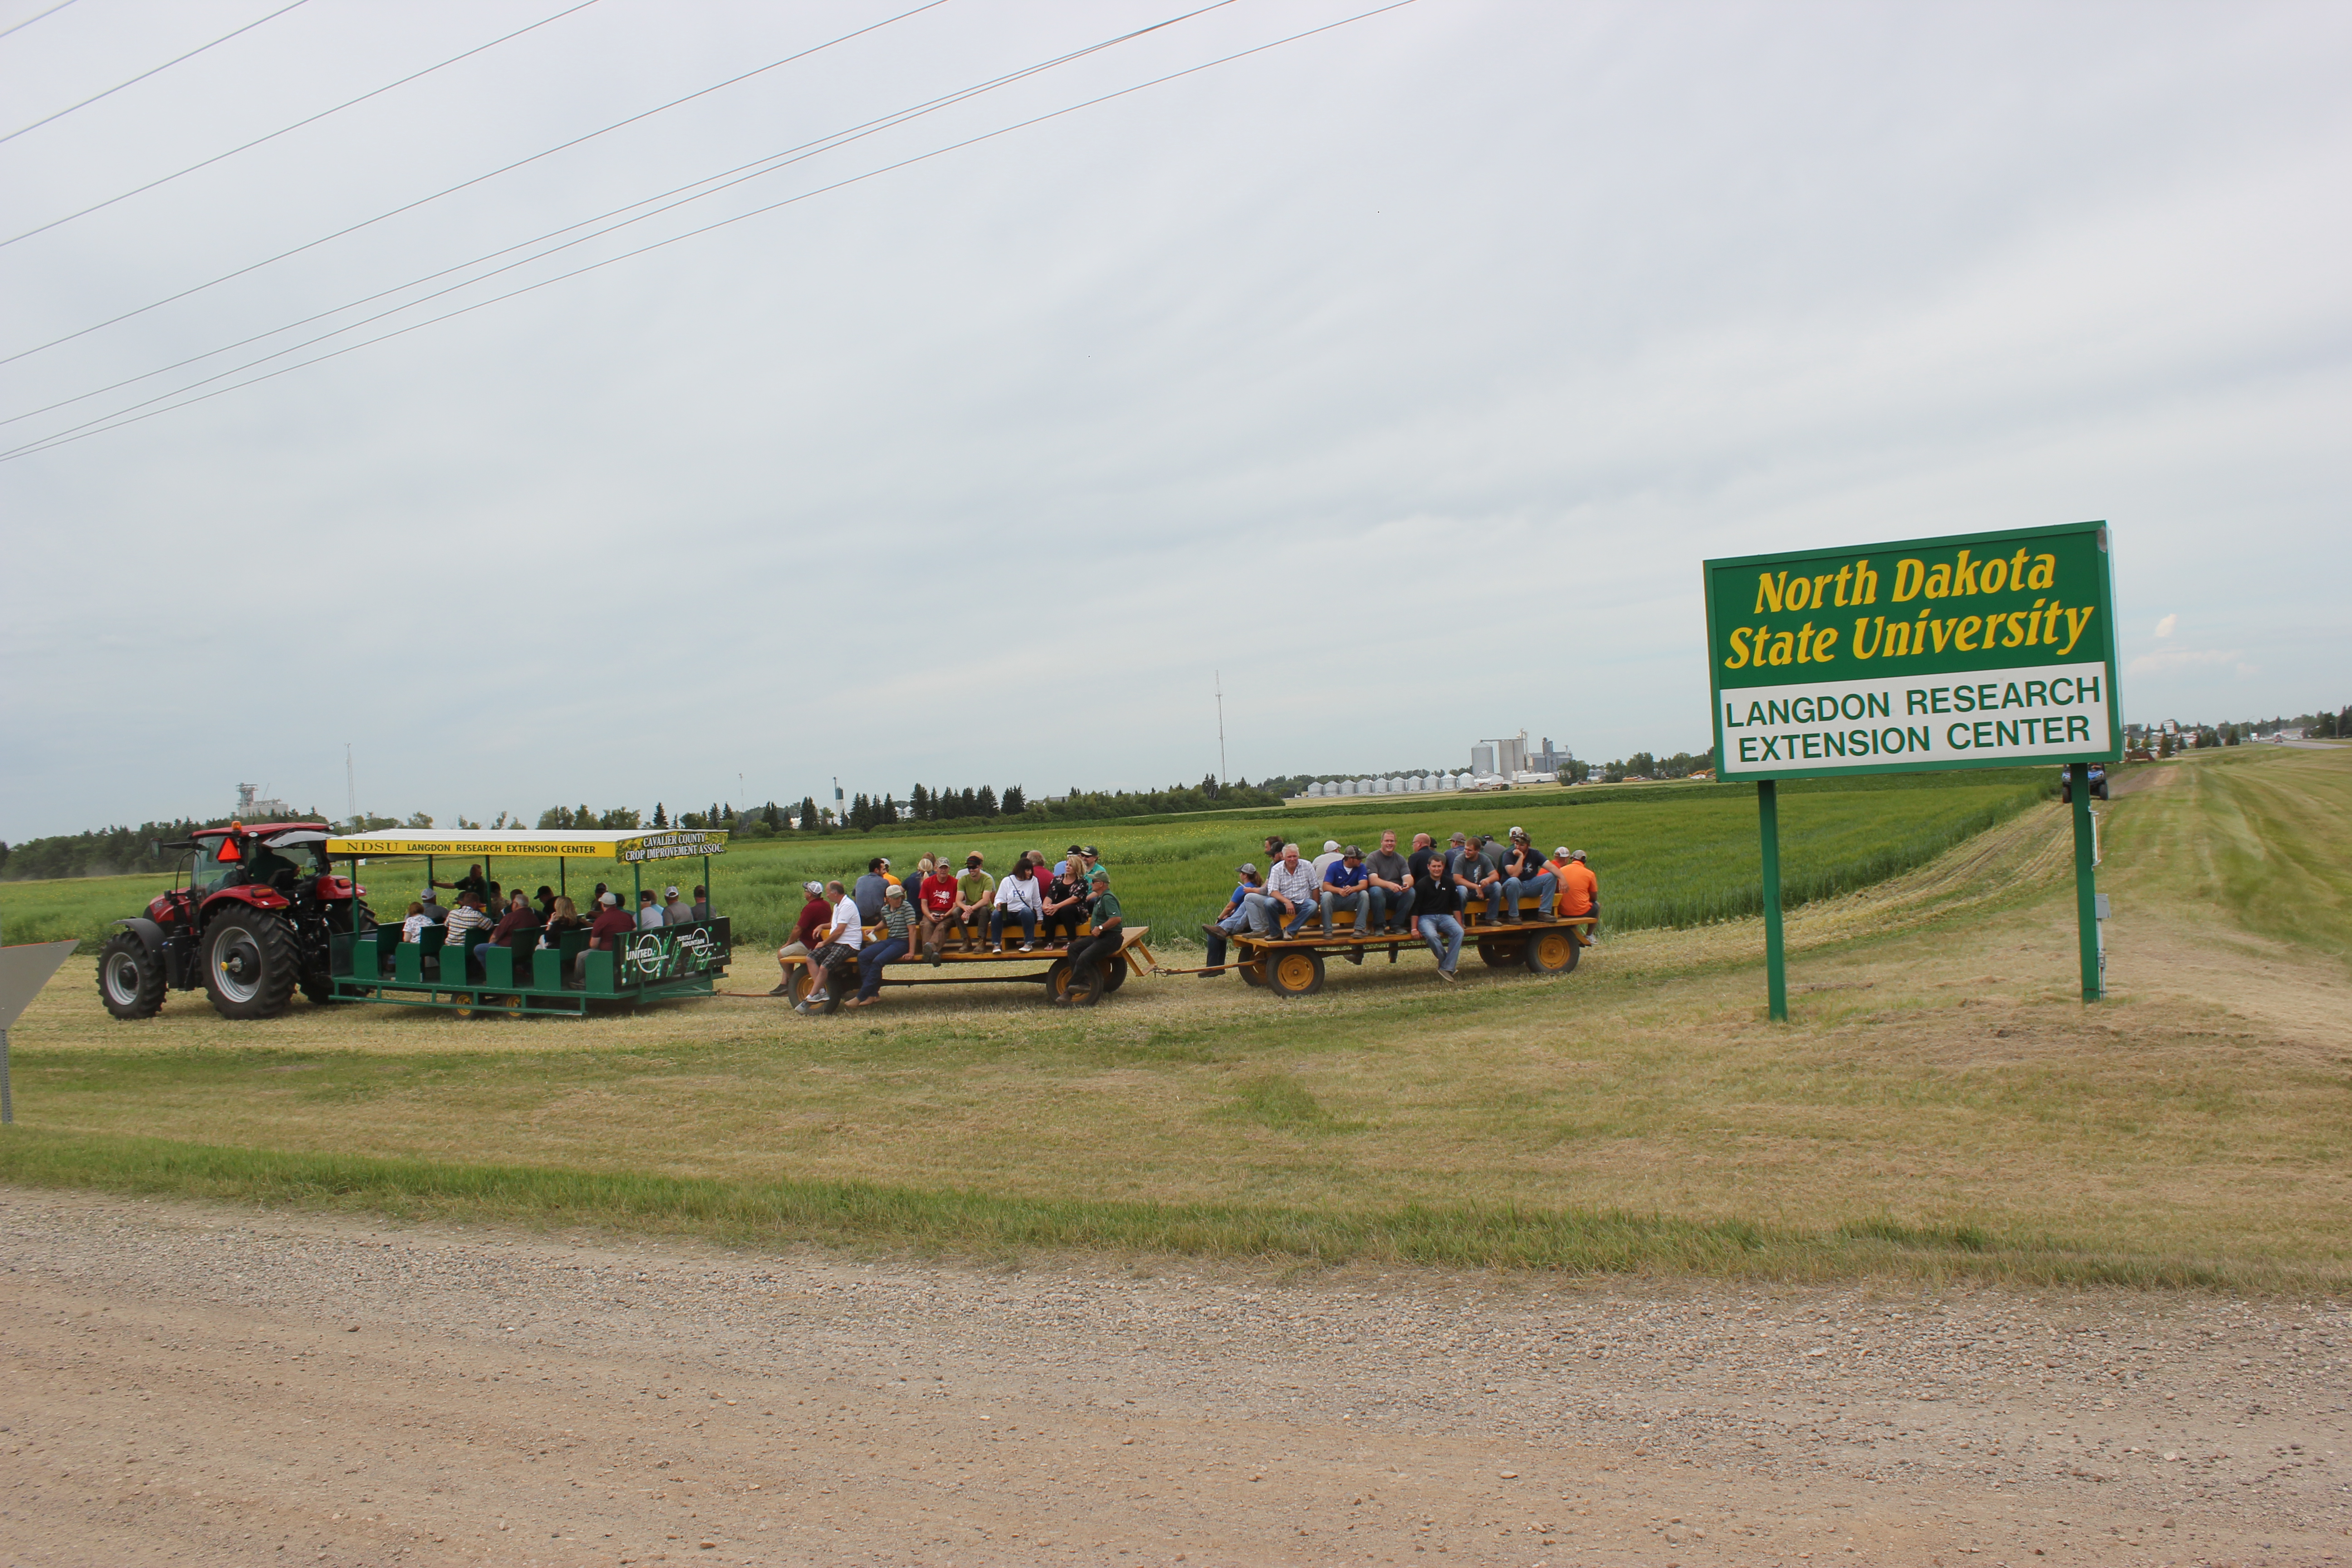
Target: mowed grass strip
770	1213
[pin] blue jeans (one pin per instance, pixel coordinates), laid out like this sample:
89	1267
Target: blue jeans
1493	896
1028	919
1360	901
870	960
1266	915
1543	887
1449	949
1237	921
1393	910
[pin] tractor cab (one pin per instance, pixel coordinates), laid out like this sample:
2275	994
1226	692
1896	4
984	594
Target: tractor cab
281	858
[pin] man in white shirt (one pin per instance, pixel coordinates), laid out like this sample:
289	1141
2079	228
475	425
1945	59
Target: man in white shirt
649	915
836	943
1293	893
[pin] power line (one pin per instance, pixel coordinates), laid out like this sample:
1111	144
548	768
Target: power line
127	416
462	185
143	76
313	120
725	179
28	21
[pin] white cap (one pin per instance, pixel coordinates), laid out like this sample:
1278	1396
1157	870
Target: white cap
1562	853
670	891
812	886
1329	845
608	898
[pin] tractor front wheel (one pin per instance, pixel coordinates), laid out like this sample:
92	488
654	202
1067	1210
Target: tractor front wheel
129	978
249	964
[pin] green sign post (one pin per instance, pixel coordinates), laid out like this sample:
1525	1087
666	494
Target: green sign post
1973	651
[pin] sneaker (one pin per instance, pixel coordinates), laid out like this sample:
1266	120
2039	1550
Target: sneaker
998	948
816	998
1025	947
783	990
1445	974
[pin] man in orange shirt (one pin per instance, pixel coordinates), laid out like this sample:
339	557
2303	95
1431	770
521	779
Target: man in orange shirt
1579	891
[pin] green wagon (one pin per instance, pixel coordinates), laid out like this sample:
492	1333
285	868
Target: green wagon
659	963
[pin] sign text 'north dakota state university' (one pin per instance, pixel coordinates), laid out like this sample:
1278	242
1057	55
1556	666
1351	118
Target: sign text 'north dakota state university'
1980	650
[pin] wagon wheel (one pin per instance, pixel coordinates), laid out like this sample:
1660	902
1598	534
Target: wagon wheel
1496	954
1252	973
803	983
1114	972
1083	985
1295	973
1553	952
1058	980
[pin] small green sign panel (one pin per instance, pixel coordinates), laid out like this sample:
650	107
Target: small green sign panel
1978	650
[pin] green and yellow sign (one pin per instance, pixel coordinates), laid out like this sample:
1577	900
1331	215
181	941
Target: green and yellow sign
1978	650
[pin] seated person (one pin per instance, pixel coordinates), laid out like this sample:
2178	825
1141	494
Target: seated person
412	928
1018	897
1475	877
546	897
649	915
975	894
936	901
1234	917
1109	940
1065	903
676	911
612	924
1347	885
816	915
1292	894
561	917
519	916
699	910
1525	874
464	923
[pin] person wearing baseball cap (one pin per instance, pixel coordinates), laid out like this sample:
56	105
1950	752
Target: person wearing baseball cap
1234	919
899	921
675	911
1525	875
1348	886
604	932
1328	859
1103	948
816	915
1579	892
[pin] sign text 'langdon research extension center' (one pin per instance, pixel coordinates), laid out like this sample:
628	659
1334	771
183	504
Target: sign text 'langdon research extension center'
1986	649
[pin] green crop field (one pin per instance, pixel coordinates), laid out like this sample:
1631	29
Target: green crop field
1672	857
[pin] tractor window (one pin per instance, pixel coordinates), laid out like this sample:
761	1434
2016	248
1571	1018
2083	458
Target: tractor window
210	868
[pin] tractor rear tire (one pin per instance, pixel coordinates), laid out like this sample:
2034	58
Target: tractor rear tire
129	978
249	964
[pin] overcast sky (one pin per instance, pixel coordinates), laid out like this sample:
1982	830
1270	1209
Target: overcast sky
1404	373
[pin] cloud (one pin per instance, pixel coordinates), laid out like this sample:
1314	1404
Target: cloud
2170	659
2163	627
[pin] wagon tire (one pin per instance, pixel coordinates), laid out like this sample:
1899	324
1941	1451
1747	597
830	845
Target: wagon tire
249	964
1252	972
1496	954
1058	980
1294	972
804	981
1553	952
1084	985
129	978
1114	972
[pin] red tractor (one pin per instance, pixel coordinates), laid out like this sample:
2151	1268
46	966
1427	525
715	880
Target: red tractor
257	918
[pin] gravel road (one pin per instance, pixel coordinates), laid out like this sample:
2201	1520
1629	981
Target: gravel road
188	1383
